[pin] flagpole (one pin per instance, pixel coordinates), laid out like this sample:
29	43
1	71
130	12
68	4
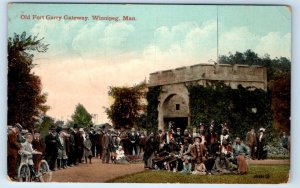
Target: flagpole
217	34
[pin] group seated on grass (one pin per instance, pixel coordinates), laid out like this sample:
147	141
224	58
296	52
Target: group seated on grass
196	154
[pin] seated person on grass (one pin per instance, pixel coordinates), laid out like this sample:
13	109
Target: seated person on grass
120	156
240	151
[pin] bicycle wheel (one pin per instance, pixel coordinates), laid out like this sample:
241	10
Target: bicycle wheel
44	172
24	173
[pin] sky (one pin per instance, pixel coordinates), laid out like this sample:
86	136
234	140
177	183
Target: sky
86	57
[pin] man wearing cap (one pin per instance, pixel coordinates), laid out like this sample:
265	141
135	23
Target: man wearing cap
13	146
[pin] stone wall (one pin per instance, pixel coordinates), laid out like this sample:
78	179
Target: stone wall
245	75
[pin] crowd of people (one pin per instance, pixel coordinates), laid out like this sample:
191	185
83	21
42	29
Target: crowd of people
196	151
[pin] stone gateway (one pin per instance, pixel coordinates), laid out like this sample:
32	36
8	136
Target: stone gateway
174	95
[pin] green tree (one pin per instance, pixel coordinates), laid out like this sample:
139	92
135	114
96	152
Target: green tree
45	125
279	86
221	103
26	102
281	102
128	107
81	117
275	67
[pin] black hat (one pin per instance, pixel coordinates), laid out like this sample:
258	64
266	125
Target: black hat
75	126
58	129
37	131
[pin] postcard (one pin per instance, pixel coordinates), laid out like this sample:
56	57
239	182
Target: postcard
148	93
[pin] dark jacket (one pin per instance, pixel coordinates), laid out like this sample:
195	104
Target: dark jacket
38	145
51	144
13	146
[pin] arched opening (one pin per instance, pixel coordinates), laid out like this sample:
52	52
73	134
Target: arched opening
175	108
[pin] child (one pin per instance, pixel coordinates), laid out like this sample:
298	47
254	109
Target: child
27	151
113	148
200	169
187	165
87	149
120	156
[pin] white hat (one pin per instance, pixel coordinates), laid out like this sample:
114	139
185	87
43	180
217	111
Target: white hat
262	129
81	130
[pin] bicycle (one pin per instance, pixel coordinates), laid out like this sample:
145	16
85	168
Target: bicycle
43	174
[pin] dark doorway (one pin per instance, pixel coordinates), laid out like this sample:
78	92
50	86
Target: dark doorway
180	122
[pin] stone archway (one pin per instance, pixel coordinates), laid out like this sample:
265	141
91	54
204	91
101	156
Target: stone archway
174	106
175	109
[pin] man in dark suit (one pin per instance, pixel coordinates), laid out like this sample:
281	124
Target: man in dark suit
51	148
92	139
98	143
106	141
133	138
13	146
73	135
79	145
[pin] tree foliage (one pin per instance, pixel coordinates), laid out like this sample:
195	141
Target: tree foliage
279	82
152	108
45	125
81	117
281	101
240	108
275	67
26	102
128	106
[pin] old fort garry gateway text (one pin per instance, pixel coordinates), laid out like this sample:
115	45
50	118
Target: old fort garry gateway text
83	18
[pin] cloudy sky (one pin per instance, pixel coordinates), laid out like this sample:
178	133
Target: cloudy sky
86	57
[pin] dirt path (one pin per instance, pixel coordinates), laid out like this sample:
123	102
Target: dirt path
95	172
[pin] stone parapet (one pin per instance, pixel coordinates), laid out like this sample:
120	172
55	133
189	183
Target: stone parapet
253	76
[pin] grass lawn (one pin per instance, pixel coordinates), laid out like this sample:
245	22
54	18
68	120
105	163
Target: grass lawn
258	174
